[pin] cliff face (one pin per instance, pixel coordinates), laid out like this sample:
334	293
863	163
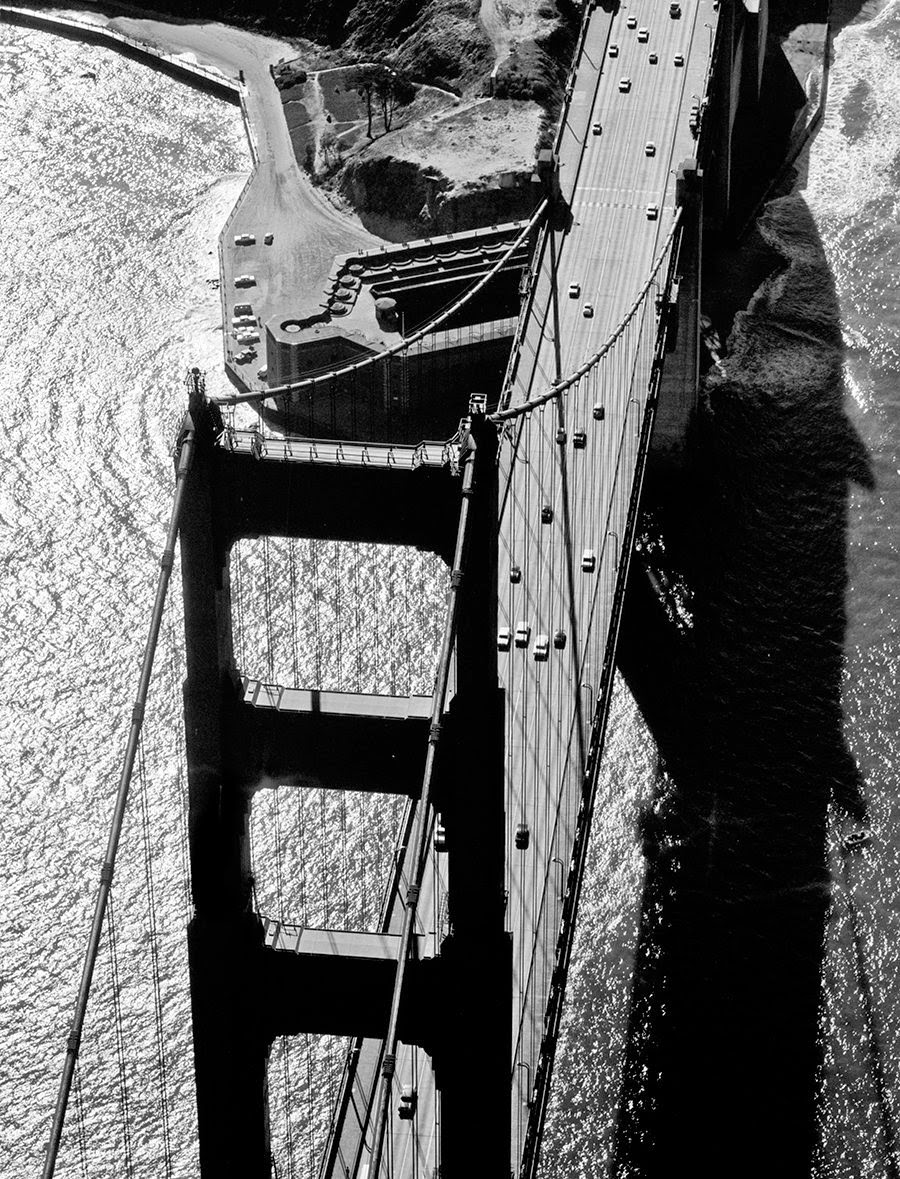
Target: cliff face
448	172
484	79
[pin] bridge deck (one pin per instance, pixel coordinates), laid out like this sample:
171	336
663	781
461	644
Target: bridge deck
607	249
570	567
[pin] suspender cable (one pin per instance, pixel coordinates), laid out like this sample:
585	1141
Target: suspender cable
73	1043
420	838
121	1063
563	385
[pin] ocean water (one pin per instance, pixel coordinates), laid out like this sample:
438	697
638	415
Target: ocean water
763	1025
114	182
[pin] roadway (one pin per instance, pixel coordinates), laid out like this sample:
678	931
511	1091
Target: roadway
606	249
279	199
581	484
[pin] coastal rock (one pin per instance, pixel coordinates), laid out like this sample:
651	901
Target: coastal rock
451	172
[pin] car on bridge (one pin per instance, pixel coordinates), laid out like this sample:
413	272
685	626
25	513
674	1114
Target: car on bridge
649	148
652	212
674	11
613	50
679	59
624	85
643	34
654	58
588	311
632	22
596	129
574	290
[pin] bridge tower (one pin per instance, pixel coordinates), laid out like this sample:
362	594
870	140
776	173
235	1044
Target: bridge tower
244	992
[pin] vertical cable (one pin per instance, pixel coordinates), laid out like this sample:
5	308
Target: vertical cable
80	1124
124	1105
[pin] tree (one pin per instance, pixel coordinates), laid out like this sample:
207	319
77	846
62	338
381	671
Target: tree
387	91
364	83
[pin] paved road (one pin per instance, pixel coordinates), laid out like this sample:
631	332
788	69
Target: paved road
308	232
607	251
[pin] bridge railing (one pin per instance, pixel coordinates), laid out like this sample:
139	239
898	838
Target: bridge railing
554	1009
338	452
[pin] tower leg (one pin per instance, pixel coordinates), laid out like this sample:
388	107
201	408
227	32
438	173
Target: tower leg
229	1046
473	1061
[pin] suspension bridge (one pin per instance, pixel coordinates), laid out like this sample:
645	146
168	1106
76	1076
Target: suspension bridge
409	644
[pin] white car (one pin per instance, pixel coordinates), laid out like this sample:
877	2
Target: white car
632	22
679	59
613	50
588	311
649	149
643	34
652	212
574	290
504	637
523	634
624	85
596	129
541	648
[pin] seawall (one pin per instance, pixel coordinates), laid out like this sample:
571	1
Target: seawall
177	67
